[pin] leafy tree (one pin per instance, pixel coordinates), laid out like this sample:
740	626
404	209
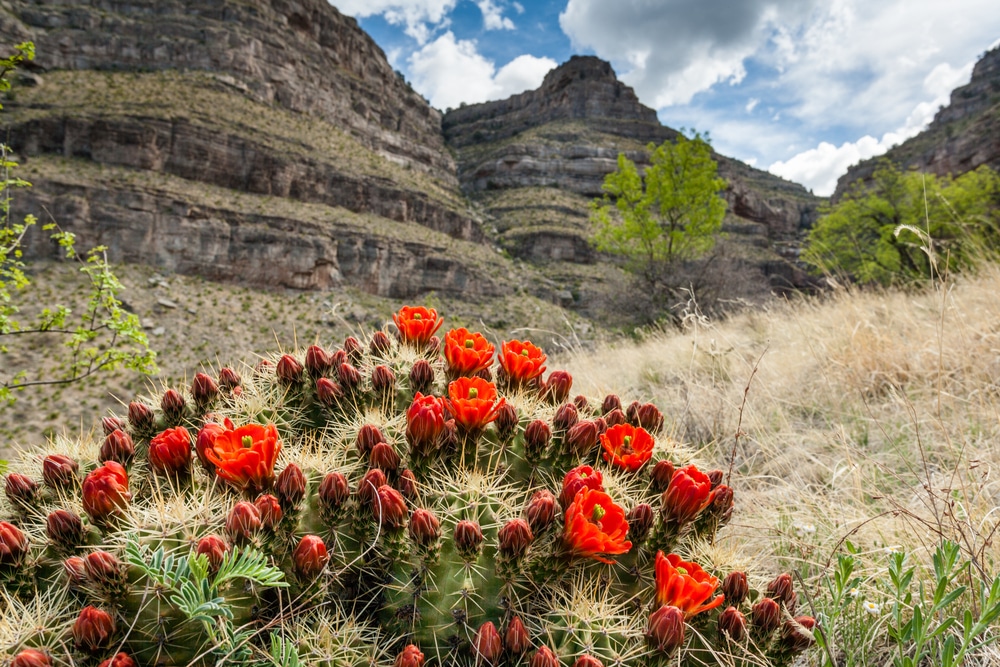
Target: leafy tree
907	226
103	337
668	215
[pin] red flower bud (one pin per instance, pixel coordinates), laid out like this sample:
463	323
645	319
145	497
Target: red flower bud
632	412
229	379
104	569
715	477
353	349
468	539
140	416
733	623
173	405
688	493
506	421
566	417
215	548
13	544
112	424
797	633
368	437
611	402
243	521
350	378
424	423
318	361
487	645
203	390
582	438
406	484
578	478
380	343
290	487
516	639
765	616
117	446
333	491
557	387
105	491
666	629
649	417
541	510
602	426
536	439
263	367
587	661
64	528
170	451
425	529
30	657
485	374
289	370
390	507
662	473
515	536
421	376
328	392
544	657
410	656
640	521
310	557
383	380
449	436
269	509
615	418
93	629
735	588
581	403
721	504
59	471
75	570
120	660
384	457
369	486
781	588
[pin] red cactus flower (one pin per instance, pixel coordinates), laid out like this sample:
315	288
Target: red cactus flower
291	486
117	446
685	585
467	353
93	629
473	402
424	422
595	526
733	623
627	447
515	536
170	451
243	457
30	657
410	656
121	659
206	437
310	557
13	544
541	510
487	646
578	478
666	628
516	639
64	528
59	471
269	509
105	491
213	547
521	361
689	492
417	324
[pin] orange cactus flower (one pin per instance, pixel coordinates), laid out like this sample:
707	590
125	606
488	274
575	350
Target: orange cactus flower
417	324
467	353
595	526
244	456
685	585
689	492
521	361
473	402
627	446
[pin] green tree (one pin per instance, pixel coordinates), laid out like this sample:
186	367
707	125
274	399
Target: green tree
664	217
907	226
104	336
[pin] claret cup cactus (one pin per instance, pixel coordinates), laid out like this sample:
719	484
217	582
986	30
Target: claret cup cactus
402	500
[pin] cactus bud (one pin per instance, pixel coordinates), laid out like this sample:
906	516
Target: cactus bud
797	633
263	367
333	491
410	656
75	570
663	471
649	417
733	623
424	423
243	521
506	421
468	539
384	457
383	380
487	645
93	629
735	588
721	505
602	426
715	477
269	509
406	484
765	616
368	436
111	424
120	659
666	629
215	548
65	529
390	507
59	471
350	378
421	377
328	392
353	349
557	387
611	402
516	639
615	418
566	417
380	343
536	439
105	491
576	479
229	379
433	346
104	569
368	487
140	416
289	370
30	657
203	390
582	438
13	544
781	588
318	361
117	446
290	487
310	557
170	451
425	529
541	510
632	412
587	661
173	405
485	373
581	402
515	537
640	521
544	657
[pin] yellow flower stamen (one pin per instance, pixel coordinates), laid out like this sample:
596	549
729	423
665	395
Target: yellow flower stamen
473	393
416	316
469	343
598	514
247	441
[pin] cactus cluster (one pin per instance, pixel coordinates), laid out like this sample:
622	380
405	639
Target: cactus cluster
403	500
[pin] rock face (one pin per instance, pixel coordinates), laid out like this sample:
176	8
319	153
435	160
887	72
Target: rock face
963	135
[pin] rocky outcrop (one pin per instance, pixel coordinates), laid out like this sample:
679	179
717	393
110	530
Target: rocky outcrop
963	135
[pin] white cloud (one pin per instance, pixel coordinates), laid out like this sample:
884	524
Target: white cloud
493	18
752	104
518	7
419	17
450	71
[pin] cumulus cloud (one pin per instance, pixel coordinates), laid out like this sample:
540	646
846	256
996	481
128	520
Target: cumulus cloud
493	18
450	71
418	16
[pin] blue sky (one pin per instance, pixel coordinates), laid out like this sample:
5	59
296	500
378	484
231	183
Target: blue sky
803	88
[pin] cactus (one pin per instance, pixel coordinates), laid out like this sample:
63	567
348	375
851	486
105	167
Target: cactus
386	502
